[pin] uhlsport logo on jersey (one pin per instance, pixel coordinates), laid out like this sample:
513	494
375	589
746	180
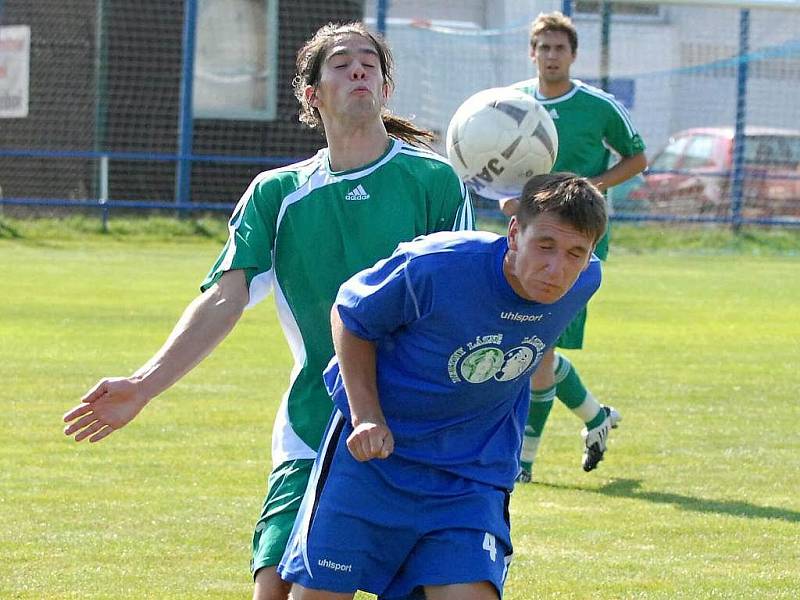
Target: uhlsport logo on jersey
334	566
485	358
520	317
553	113
357	193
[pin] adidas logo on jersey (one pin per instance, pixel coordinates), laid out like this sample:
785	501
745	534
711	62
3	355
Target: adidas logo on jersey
553	113
357	193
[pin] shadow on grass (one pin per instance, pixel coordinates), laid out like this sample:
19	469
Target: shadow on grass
629	488
8	232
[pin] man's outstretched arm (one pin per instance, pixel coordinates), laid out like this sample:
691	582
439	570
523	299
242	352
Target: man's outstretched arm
113	402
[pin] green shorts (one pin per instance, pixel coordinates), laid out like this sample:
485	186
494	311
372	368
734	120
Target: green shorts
601	249
572	337
287	484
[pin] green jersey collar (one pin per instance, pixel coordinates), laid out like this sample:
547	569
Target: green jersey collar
391	149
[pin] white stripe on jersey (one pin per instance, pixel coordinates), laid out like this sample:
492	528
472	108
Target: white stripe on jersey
318	178
286	444
335	177
238	215
236	220
407	148
411	292
306	512
322	177
260	287
615	104
465	217
578	86
542	100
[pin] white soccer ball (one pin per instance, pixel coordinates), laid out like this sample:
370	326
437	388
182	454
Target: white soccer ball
498	139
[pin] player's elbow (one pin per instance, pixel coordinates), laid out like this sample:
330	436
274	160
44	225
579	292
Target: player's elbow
640	162
336	319
229	295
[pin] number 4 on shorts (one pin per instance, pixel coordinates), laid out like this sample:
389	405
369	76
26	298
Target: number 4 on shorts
490	546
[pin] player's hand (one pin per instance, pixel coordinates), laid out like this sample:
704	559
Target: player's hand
509	206
598	183
370	440
109	405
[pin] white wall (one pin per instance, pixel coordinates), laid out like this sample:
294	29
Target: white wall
668	57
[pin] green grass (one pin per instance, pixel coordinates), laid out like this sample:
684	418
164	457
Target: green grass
627	237
697	498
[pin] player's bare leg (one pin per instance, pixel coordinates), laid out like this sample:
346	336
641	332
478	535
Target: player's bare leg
301	593
482	590
542	396
269	585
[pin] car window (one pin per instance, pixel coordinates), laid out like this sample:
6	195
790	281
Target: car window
782	150
667	159
699	152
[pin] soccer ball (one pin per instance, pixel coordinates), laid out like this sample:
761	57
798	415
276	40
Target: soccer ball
498	139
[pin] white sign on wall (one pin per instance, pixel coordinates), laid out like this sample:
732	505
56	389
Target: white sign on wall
15	51
236	59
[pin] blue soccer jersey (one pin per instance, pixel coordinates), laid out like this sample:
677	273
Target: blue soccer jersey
456	347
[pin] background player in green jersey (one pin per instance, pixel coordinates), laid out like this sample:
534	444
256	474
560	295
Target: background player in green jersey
588	121
302	230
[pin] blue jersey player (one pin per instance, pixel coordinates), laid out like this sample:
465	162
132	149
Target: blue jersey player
435	346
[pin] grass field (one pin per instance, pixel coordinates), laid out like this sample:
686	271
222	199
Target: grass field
698	496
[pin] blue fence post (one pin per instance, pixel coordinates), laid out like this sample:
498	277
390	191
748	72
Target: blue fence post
183	178
737	184
101	110
380	16
605	43
566	8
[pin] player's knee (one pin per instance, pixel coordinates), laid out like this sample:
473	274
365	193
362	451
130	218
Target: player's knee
549	359
269	585
544	376
301	593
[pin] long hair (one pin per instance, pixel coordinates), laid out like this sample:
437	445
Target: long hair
310	59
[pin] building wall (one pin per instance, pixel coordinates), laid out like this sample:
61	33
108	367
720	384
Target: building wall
669	58
120	92
62	99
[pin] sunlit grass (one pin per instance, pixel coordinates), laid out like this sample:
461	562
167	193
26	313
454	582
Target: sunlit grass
697	497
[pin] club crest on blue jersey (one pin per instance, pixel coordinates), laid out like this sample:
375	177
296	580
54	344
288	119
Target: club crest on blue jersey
486	359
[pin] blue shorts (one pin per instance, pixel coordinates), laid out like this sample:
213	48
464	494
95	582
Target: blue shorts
389	526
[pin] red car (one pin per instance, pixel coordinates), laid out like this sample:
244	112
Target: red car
691	175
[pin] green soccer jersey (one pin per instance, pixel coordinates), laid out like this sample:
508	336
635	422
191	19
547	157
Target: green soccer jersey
303	229
588	121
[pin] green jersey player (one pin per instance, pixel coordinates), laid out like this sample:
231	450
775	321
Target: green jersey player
589	122
301	231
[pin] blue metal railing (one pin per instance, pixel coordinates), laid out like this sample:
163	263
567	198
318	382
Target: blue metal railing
274	161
